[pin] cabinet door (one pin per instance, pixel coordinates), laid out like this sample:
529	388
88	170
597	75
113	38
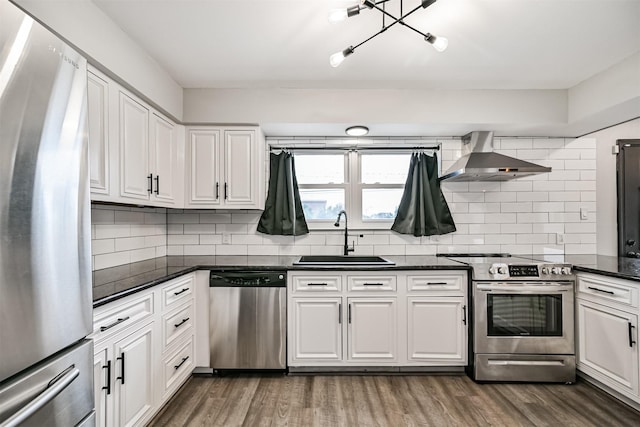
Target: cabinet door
316	324
204	174
103	386
606	347
372	329
98	118
241	169
163	153
134	149
437	330
134	377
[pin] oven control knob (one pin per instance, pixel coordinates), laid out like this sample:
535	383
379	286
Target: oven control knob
566	270
555	270
493	270
545	270
502	270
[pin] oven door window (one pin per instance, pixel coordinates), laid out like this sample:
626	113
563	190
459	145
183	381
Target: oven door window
524	315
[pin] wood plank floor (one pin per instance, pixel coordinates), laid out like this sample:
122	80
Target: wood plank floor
395	400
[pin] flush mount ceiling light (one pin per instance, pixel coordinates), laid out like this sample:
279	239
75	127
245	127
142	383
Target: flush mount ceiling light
337	15
357	131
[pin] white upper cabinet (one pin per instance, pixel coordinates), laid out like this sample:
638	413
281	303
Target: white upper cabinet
225	168
135	181
98	118
136	154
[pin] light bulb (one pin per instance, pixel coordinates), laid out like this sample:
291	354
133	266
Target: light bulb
440	44
337	58
337	15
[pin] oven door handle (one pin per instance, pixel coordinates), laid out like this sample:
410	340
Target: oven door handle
525	289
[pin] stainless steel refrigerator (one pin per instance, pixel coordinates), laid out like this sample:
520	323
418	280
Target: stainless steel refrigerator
46	364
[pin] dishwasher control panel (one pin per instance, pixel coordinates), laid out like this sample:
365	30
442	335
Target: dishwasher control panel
248	279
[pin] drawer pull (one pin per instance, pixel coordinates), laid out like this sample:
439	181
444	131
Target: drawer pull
177	325
117	322
436	283
373	284
183	290
317	284
184	359
601	290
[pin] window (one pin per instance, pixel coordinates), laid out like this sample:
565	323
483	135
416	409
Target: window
367	184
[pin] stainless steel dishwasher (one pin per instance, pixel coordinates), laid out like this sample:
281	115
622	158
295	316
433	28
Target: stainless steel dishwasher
247	320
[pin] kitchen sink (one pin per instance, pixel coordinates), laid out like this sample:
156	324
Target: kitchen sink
342	260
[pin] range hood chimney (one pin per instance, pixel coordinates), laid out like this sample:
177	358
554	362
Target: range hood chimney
480	163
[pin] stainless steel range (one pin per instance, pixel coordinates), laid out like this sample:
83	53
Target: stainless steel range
523	319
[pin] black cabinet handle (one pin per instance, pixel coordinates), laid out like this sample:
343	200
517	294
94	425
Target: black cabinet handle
117	322
436	283
184	359
217	190
631	341
157	178
464	314
225	190
600	290
349	313
108	386
181	291
177	325
317	284
373	284
340	313
150	178
121	377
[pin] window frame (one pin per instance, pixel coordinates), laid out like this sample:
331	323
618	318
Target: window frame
353	186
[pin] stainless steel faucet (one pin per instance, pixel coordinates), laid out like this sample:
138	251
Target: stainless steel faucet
347	249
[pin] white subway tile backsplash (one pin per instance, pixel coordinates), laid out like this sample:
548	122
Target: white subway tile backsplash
129	243
199	228
129	217
183	239
112	231
202	250
210	239
103	246
101	216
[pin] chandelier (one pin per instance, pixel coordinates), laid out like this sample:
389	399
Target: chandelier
337	15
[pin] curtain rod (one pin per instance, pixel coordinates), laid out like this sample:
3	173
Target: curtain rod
356	148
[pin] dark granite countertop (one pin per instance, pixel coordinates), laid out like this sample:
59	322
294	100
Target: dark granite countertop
110	284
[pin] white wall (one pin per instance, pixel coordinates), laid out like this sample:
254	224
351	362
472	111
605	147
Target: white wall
607	202
85	26
399	112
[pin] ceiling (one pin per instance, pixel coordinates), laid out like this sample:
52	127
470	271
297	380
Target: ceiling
493	44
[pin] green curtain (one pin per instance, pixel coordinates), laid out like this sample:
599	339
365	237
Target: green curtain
423	210
283	214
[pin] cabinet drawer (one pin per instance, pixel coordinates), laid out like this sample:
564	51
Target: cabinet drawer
372	283
177	366
177	292
445	283
176	325
116	316
328	283
607	290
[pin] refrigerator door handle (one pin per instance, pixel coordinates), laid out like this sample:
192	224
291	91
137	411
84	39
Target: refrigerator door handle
58	384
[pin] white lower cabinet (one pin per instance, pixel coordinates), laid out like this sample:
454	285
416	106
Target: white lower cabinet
144	350
373	329
316	329
376	318
607	331
436	330
134	377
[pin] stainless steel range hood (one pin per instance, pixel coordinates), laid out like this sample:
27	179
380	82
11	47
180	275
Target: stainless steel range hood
482	164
